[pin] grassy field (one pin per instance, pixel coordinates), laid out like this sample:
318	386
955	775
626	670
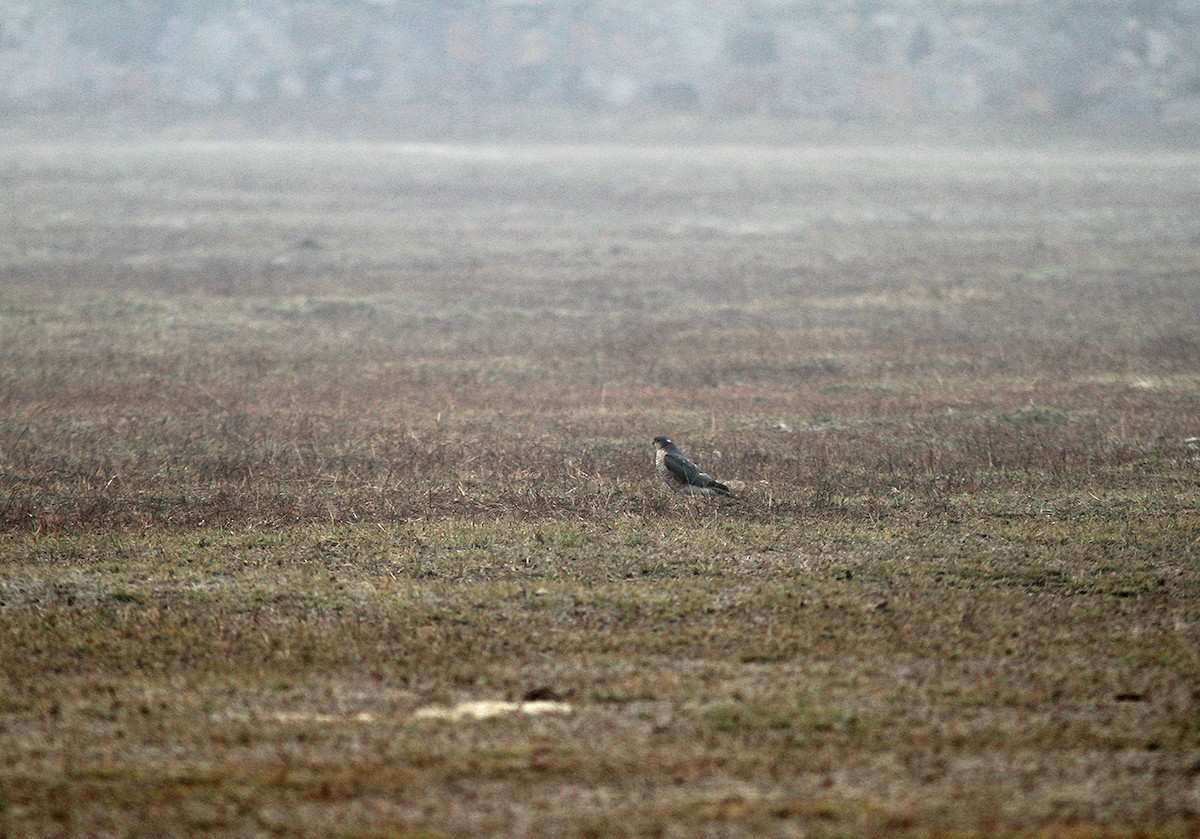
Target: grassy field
305	447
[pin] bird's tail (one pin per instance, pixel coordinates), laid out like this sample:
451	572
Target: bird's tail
720	488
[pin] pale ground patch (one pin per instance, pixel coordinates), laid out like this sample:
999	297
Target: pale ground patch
487	708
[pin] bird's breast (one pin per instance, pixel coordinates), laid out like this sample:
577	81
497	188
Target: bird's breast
660	463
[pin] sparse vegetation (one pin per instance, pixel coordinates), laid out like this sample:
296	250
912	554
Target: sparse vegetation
295	442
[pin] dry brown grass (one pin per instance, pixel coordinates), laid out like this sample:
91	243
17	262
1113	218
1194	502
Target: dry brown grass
295	441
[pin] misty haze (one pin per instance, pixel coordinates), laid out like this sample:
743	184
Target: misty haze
341	345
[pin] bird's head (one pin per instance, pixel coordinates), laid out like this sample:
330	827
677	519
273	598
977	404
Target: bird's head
661	442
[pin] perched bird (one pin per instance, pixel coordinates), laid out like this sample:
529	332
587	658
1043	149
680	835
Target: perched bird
681	472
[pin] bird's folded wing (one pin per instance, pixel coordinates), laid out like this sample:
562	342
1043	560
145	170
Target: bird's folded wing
684	469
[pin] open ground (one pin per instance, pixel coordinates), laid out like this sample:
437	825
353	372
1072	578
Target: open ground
299	441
